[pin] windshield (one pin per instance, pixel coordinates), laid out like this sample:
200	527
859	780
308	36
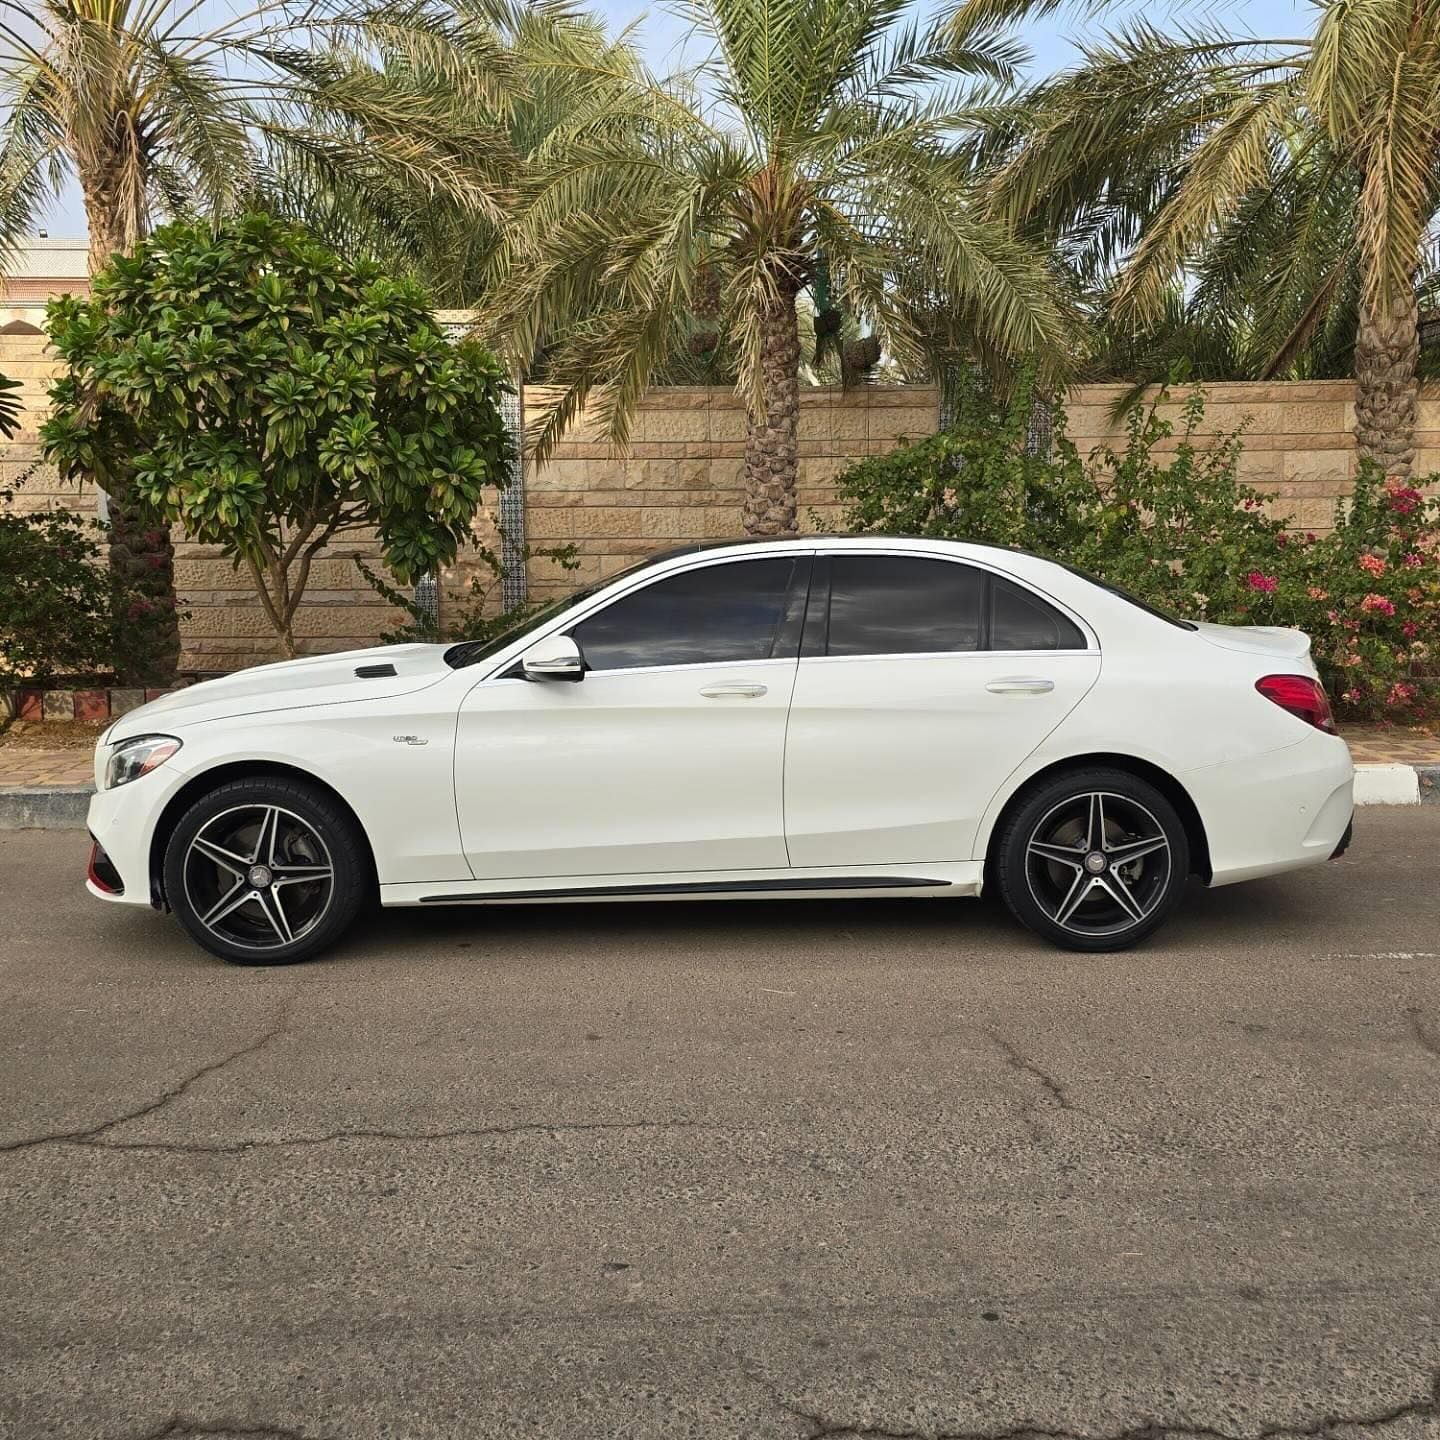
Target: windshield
471	652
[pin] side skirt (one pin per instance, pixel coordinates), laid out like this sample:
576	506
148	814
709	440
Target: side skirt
916	881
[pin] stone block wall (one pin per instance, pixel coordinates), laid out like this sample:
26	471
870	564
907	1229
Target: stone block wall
1299	437
682	480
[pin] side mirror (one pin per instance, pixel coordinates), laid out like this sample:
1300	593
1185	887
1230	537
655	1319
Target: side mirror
556	657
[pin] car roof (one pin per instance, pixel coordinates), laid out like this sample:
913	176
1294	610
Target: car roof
825	541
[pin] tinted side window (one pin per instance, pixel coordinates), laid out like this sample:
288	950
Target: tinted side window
1022	621
717	614
896	605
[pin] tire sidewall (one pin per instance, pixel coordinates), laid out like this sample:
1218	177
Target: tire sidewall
349	856
1013	879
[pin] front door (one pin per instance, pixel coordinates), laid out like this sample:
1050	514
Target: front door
924	683
667	758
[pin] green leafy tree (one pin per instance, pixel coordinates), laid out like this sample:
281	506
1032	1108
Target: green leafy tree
829	156
268	396
1292	182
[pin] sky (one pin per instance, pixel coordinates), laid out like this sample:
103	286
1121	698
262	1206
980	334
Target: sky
1052	42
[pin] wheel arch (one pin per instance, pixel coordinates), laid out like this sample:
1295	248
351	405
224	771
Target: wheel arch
206	780
1160	778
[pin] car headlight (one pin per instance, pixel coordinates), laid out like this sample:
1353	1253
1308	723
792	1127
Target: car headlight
133	758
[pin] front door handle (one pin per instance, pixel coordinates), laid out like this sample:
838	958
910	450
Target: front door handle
733	692
1021	685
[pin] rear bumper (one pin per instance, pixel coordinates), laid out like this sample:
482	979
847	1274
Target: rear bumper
1278	811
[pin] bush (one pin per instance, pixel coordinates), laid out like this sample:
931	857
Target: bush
56	616
1174	524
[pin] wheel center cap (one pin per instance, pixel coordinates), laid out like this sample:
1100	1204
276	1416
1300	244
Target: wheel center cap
1095	862
260	877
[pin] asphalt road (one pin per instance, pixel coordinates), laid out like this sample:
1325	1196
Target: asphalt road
780	1170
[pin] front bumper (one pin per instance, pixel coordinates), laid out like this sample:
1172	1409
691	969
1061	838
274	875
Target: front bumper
122	824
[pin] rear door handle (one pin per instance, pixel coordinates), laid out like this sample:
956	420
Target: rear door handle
1021	685
733	692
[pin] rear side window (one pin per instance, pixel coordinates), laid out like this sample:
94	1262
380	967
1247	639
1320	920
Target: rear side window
718	614
1022	621
897	605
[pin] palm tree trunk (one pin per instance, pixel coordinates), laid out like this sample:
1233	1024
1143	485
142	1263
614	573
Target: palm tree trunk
1387	348
141	558
772	447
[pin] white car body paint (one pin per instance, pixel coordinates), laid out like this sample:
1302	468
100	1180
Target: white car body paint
866	775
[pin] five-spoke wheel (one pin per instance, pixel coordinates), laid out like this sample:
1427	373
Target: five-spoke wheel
265	871
1093	860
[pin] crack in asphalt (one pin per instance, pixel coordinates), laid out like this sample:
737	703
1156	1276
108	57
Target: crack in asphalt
100	1137
178	1427
333	1137
1049	1085
1423	1038
91	1134
823	1427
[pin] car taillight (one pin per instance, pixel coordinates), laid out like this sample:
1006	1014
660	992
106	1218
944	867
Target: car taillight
1302	697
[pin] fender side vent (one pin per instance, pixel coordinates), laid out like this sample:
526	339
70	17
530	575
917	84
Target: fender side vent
374	672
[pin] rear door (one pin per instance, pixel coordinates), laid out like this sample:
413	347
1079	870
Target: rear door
922	683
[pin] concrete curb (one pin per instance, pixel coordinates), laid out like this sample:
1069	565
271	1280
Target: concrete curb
63	807
44	807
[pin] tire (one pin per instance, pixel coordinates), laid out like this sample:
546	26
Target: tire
266	871
1056	880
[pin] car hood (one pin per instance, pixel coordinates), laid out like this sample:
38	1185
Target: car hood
290	685
1270	640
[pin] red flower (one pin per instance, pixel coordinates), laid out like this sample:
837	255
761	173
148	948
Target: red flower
1373	563
1400	694
1413	561
1257	580
1377	604
1409	629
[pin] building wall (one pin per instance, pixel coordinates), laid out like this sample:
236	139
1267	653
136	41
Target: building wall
682	480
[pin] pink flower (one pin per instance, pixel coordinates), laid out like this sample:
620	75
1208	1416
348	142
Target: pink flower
1409	629
1316	593
1400	694
1373	563
1403	500
1282	538
1377	605
1351	697
1413	561
1256	580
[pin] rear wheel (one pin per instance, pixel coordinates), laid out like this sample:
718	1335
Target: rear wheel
266	871
1093	860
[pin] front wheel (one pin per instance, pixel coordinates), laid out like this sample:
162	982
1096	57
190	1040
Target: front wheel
266	871
1093	860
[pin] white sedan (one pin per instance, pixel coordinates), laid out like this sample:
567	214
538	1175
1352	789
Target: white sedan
808	717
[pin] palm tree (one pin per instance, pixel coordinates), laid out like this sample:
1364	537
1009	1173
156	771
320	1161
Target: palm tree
149	113
1293	181
826	145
